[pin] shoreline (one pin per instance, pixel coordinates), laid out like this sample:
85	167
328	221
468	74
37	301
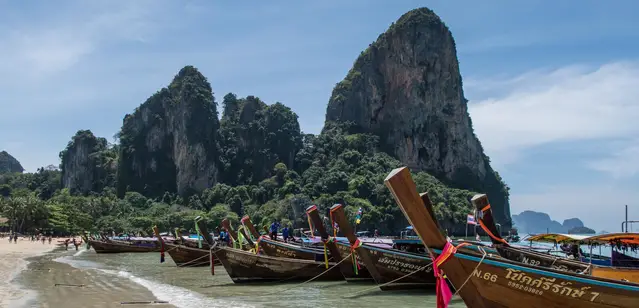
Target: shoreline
13	261
56	277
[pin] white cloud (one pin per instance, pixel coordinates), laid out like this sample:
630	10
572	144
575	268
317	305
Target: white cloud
575	103
621	164
600	206
59	41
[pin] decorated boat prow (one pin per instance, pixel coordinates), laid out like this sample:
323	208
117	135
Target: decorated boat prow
246	221
391	269
527	256
485	281
349	268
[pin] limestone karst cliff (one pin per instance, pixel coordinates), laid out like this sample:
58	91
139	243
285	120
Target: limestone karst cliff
406	88
87	163
256	136
168	144
8	163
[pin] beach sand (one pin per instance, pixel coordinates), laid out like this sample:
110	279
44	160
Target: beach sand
35	279
12	263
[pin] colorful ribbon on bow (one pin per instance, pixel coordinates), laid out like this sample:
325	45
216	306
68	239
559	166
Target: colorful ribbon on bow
443	292
483	226
356	245
197	232
329	240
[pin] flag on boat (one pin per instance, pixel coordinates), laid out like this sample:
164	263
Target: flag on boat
358	216
470	220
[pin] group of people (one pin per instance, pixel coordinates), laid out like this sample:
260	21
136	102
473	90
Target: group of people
67	241
273	231
34	238
41	237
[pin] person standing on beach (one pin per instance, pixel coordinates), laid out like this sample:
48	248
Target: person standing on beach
50	239
15	239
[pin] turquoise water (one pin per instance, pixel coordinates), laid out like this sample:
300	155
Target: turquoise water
196	287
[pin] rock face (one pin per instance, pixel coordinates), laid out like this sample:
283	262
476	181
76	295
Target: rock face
573	223
169	142
256	136
8	164
538	222
407	89
85	164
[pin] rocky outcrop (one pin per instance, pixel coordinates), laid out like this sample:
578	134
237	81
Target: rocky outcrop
572	223
169	142
407	89
87	163
256	136
581	230
538	222
8	164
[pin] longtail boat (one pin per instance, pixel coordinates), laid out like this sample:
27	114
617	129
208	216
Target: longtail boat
534	258
243	266
116	246
187	252
239	238
485	281
281	249
404	270
351	270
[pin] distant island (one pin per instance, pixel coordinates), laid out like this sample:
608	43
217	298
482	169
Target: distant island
532	222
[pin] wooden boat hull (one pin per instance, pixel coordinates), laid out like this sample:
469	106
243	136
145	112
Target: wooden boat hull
616	273
394	264
620	259
541	259
243	266
286	250
535	258
117	247
506	284
185	256
484	281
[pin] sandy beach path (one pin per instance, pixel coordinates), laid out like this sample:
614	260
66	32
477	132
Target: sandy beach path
12	261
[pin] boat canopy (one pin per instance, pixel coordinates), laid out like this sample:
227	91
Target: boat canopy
622	238
557	238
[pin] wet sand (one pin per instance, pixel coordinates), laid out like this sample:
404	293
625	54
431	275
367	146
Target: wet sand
61	285
12	262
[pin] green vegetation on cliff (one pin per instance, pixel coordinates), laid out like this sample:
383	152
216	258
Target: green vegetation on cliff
334	167
175	159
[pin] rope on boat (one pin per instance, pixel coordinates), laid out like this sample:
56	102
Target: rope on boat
387	283
202	257
471	273
307	281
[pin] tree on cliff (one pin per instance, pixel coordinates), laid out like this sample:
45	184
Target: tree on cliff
88	163
176	160
406	88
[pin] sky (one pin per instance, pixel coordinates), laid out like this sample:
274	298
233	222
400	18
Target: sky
552	85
